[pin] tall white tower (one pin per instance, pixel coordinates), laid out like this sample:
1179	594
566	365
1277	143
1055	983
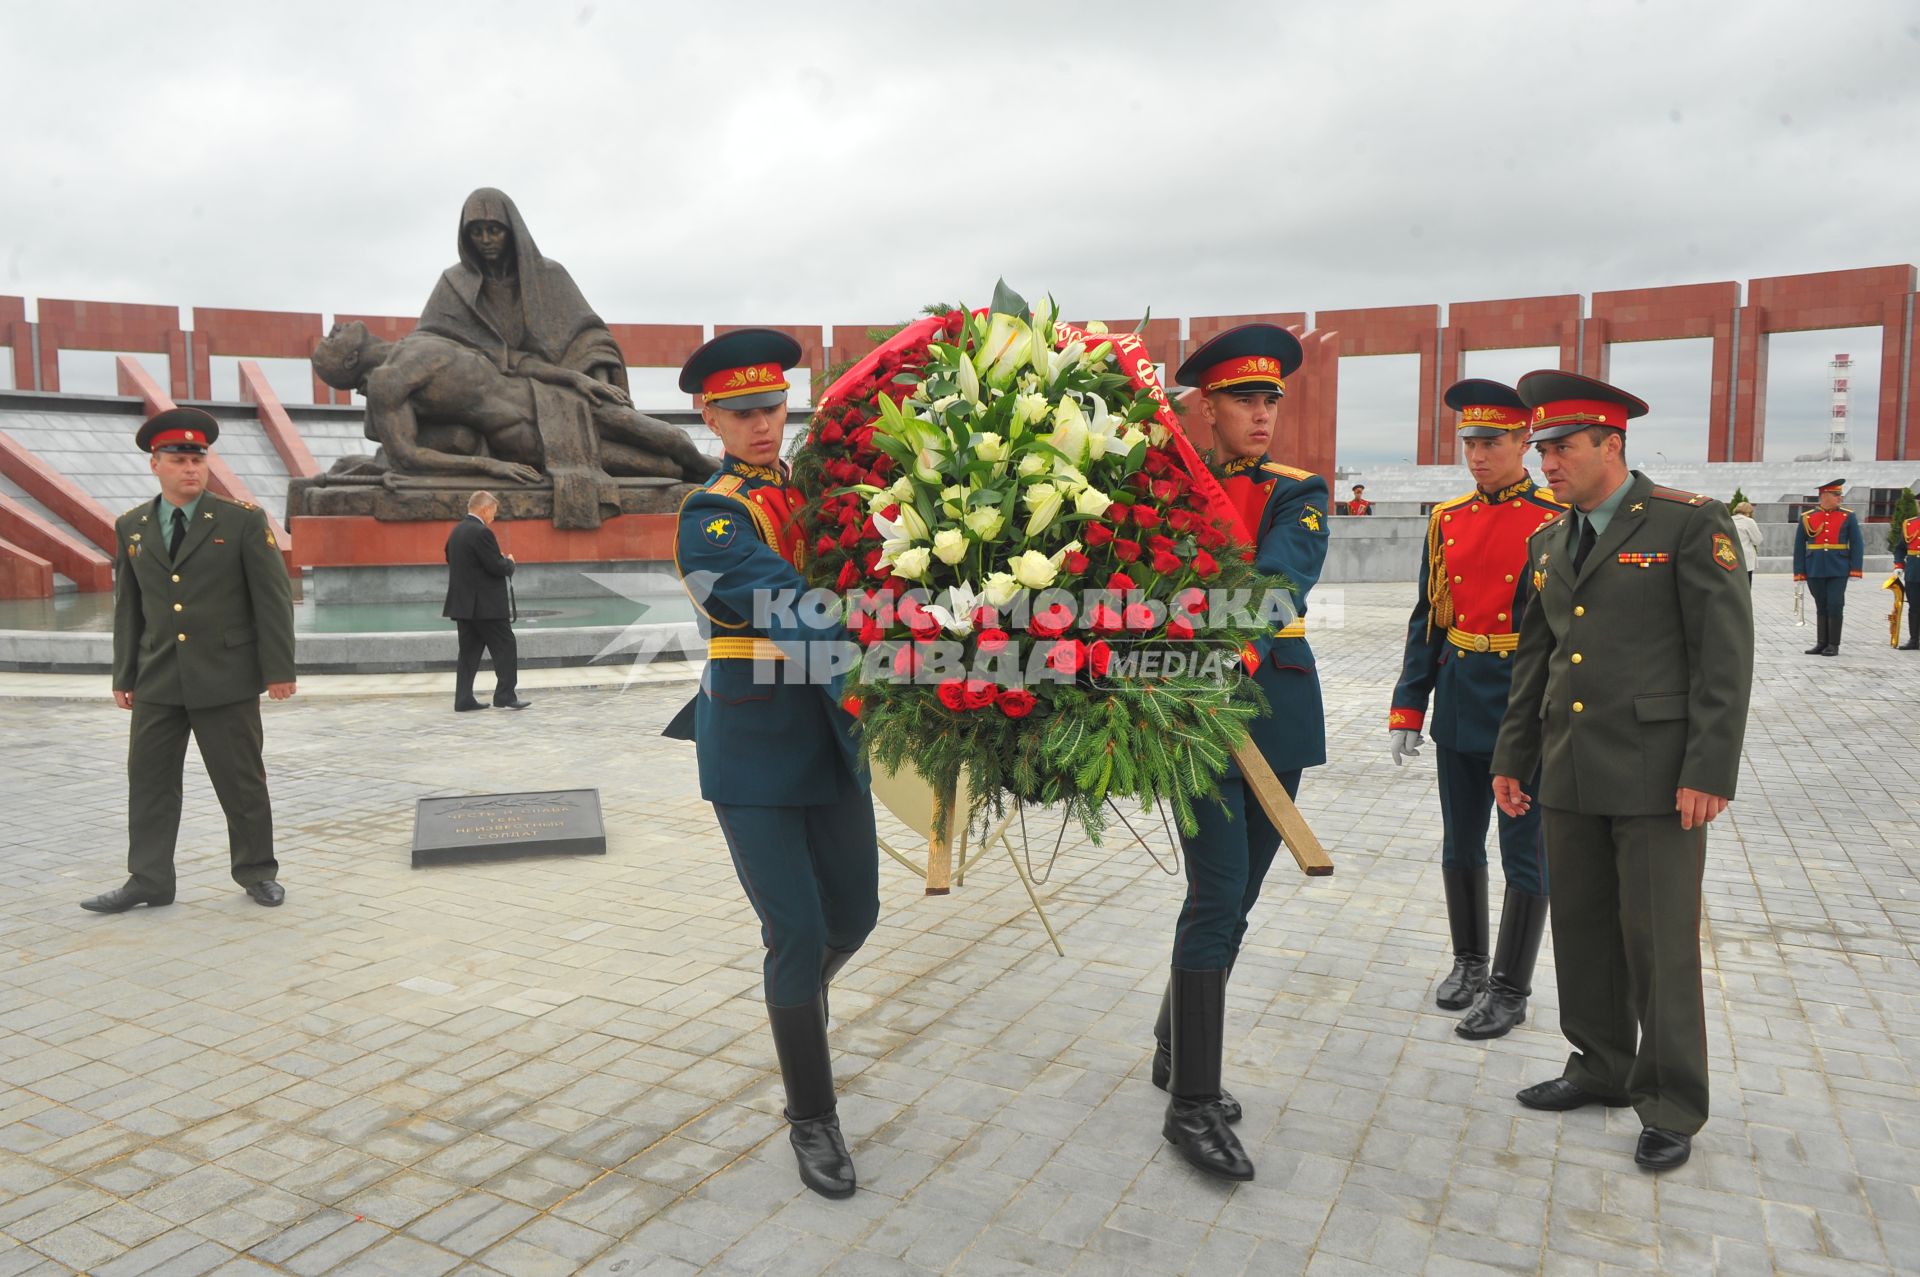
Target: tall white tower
1840	371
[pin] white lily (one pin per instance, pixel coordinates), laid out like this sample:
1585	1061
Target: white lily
962	599
1098	355
1060	556
1068	478
926	466
1046	510
1129	439
1002	353
953	500
969	381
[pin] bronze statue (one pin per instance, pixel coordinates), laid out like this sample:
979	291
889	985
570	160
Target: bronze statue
510	375
438	407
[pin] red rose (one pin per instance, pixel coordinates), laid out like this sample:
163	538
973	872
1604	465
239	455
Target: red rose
993	641
1015	702
882	465
1160	543
1156	462
977	693
1099	659
849	574
906	659
1180	629
826	545
1211	536
852	704
1204	564
1098	534
1117	513
1103	620
832	433
1192	600
872	560
871	632
849	512
1181	520
891	513
1126	551
925	628
1050	621
1067	656
1121	583
985	618
1076	562
849	536
1145	518
1139	618
895	585
1165	561
1167	491
952	694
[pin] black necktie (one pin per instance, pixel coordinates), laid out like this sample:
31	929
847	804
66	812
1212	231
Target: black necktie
179	533
1586	542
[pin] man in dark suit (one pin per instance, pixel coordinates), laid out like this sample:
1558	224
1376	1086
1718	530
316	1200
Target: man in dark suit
477	575
202	624
1630	689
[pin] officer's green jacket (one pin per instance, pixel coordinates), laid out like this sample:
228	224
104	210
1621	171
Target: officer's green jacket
210	627
1631	679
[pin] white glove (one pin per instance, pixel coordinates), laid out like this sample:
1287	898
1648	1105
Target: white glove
1900	575
1405	743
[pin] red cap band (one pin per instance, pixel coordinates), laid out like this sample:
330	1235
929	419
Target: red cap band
166	437
750	380
1589	412
1240	370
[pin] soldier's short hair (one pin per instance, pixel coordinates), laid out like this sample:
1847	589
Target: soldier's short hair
480	501
1598	435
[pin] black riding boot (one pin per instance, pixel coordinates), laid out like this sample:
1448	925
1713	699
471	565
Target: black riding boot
1833	636
1504	1002
1913	627
1467	920
1163	1057
1195	1125
800	1040
1819	647
830	963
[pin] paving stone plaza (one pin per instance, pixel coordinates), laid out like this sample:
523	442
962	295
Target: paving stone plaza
560	1066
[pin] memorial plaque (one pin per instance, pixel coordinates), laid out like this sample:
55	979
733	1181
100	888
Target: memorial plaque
558	822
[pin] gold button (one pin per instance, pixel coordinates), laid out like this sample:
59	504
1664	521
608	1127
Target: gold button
1509	576
1576	658
181	637
1579	611
1503	656
179	607
1446	518
1577	707
1502	616
176	578
1458	579
1449	540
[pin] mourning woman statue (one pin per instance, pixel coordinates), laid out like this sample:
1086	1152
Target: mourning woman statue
523	312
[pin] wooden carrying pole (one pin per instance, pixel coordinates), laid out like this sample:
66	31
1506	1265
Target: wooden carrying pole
1306	849
940	846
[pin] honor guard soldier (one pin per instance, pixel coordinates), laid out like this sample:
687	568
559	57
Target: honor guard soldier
1630	689
1828	551
1474	587
1283	514
777	755
1906	552
202	624
1358	503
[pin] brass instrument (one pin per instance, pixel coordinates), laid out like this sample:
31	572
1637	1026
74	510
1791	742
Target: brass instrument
1899	604
1799	602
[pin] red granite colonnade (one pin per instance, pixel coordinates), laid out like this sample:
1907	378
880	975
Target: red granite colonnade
1737	325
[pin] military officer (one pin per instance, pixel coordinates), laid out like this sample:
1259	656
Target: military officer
777	755
1358	503
1630	691
1474	587
1828	551
1283	512
1906	552
202	624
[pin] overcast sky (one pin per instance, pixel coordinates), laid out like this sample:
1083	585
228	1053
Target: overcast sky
844	164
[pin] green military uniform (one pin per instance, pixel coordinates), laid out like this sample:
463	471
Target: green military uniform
198	634
1630	682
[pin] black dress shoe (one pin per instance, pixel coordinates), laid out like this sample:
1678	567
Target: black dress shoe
1660	1150
515	703
267	893
468	709
1163	1073
1559	1096
121	899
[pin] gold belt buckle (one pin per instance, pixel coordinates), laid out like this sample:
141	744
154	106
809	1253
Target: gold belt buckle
1481	643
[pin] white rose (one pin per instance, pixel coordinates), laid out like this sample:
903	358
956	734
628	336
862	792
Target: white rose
902	489
1034	463
953	499
1096	326
985	522
990	447
1091	502
1031	569
1068	478
1001	588
879	501
1029	408
1157	434
1038	494
913	563
950	545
